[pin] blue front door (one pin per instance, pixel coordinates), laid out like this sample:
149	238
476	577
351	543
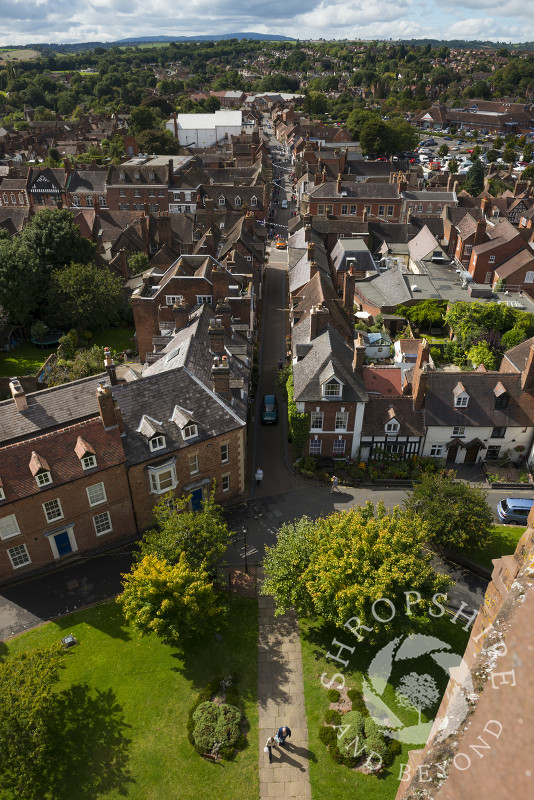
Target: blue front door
196	500
63	543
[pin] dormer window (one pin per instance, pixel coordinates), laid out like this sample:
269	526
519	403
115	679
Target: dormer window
461	398
122	176
254	201
43	478
89	461
85	453
221	200
392	426
501	396
332	388
237	201
137	176
152	176
40	470
157	443
190	431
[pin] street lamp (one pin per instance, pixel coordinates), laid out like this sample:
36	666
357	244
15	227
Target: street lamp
245	541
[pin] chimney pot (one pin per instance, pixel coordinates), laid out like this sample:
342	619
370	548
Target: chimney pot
18	394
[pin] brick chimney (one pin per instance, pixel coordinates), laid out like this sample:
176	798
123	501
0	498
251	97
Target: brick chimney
484	206
110	366
143	223
219	283
18	394
307	233
216	335
314	269
358	356
208	205
527	376
419	384
220	372
249	223
319	318
164	229
480	232
170	172
323	175
223	310
209	244
106	406
307	219
349	281
311	251
338	183
181	315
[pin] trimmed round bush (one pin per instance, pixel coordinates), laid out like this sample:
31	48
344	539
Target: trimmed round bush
356	722
332	717
327	735
216	723
336	755
333	695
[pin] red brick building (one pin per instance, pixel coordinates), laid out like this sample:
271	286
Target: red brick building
348	198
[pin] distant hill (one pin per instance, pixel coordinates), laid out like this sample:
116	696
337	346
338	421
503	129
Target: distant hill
270	37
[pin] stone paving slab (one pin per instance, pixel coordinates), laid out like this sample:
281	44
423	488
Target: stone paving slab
281	702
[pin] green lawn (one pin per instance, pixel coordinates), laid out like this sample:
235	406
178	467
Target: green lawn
129	722
503	543
337	782
118	339
25	359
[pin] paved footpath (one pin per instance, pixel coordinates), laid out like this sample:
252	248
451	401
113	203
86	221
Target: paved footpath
281	702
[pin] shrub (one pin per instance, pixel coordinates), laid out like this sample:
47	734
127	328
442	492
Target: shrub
332	717
241	742
333	695
335	753
309	463
356	722
327	735
216	723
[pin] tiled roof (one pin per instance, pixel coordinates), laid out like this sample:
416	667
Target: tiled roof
385	381
362	191
327	350
518	355
380	410
58	450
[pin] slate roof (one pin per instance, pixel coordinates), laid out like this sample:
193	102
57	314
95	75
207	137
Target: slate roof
422	244
518	355
87	180
363	191
319	291
356	250
377	414
440	409
329	352
58	450
50	409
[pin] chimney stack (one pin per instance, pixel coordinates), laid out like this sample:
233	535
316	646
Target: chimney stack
319	318
314	269
419	384
349	281
307	233
311	251
110	366
216	334
527	376
106	406
359	355
220	372
181	315
480	232
208	205
18	394
338	183
249	223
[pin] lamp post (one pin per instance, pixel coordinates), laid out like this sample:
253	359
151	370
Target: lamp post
245	541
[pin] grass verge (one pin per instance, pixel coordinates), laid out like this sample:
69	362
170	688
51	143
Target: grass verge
117	339
503	542
337	782
151	688
25	359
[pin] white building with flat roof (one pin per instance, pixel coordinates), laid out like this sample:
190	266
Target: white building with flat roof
205	130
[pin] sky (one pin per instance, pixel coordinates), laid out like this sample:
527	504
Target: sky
64	21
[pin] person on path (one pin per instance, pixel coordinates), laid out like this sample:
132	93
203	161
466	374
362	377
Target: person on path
259	476
271	741
282	735
335	486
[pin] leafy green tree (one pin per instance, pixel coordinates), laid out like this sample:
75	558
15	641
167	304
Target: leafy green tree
509	154
142	118
202	535
28	721
174	601
482	353
492	156
83	295
443	150
456	515
138	262
56	240
375	138
159	142
527	152
348	561
38	330
22	283
453	165
474	182
528	172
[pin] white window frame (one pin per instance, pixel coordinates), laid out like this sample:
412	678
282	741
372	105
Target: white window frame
339	446
102	200
237	201
392	427
491	260
47	512
316	445
88	461
194	467
390	211
43	478
222	201
22	550
204	298
190	426
173	299
316	417
225	483
122	192
97	487
157	442
100	517
155	482
381	211
344	210
225	453
253	200
458	431
89	201
137	192
461	401
75	200
330	382
529	277
342	420
436	450
14	527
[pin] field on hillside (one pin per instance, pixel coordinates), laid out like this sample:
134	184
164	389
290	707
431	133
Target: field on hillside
14	54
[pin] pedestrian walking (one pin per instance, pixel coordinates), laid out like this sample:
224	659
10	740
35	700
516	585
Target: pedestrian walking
271	741
282	735
259	476
335	484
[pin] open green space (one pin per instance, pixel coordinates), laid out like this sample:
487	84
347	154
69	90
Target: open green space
118	339
25	359
131	698
335	781
503	543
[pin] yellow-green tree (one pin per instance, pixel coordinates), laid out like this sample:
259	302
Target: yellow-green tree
174	601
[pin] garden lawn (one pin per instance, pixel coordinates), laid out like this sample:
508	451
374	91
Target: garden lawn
25	359
335	781
503	543
153	688
117	339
